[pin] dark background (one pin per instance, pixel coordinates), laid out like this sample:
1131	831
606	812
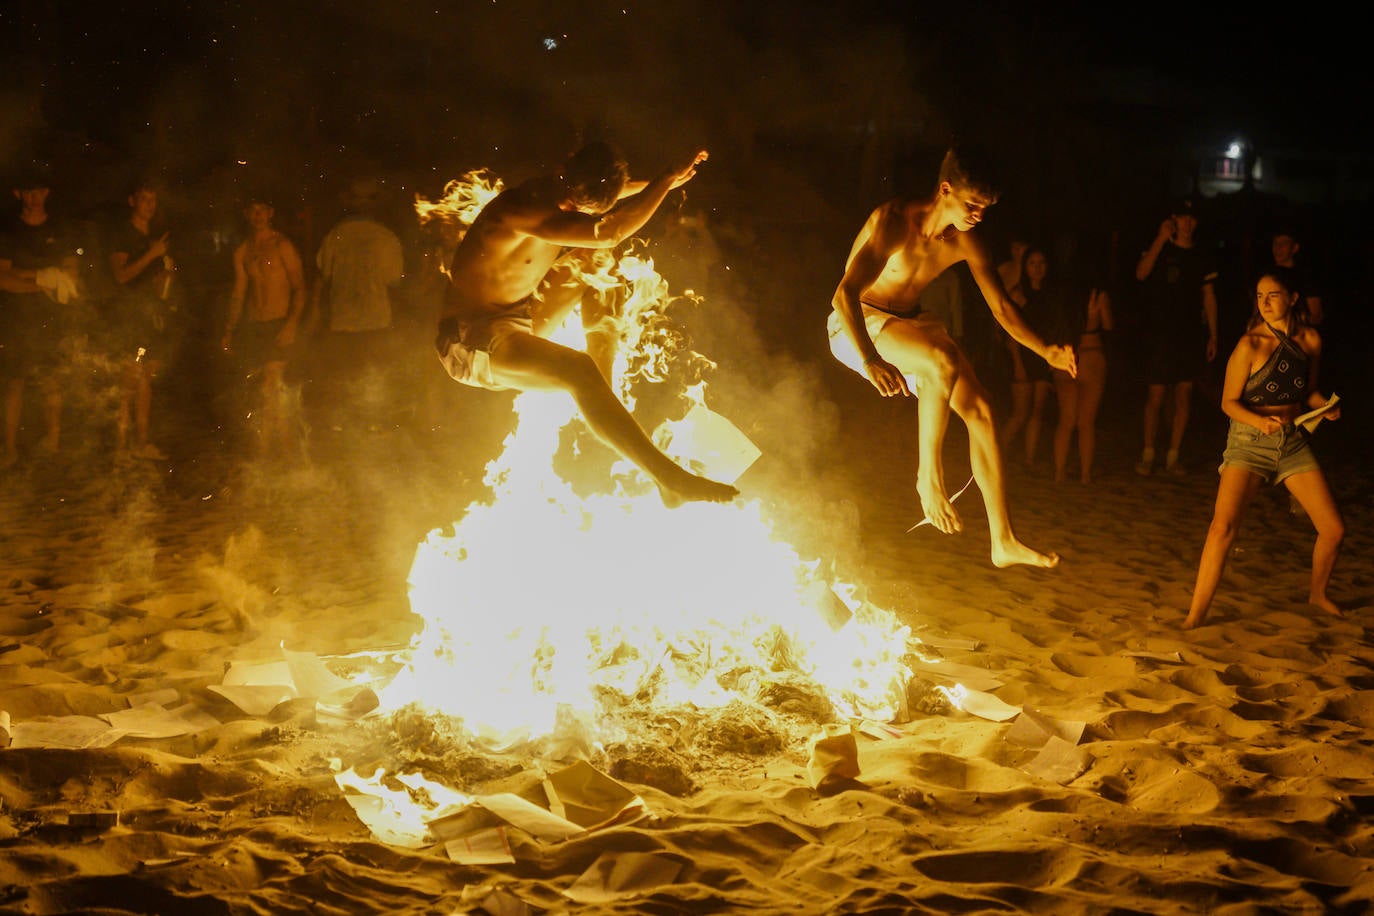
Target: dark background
813	113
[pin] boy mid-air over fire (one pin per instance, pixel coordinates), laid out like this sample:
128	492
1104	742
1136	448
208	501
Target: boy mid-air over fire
877	329
495	323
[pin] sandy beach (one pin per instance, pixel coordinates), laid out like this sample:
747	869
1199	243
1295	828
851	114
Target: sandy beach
1227	770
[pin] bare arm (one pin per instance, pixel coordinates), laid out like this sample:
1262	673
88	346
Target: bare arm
14	280
295	275
581	230
1146	265
235	298
1312	343
1005	311
877	240
126	271
1233	386
1209	314
1102	301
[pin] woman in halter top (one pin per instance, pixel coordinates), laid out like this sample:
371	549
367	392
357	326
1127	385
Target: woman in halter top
1271	379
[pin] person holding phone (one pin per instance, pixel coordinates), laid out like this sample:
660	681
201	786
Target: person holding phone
1179	327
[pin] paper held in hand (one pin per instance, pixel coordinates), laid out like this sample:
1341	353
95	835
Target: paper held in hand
1309	420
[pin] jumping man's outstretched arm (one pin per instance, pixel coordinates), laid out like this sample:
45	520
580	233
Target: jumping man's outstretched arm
877	240
1006	312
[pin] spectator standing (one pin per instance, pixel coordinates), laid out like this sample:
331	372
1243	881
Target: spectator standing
39	257
142	320
265	311
1179	298
360	264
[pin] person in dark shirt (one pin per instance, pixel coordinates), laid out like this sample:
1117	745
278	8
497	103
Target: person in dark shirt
38	257
1285	246
1180	295
141	319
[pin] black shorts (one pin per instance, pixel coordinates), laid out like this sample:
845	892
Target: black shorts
256	343
1174	358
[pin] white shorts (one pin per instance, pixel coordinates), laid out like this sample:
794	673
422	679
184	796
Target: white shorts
465	346
875	320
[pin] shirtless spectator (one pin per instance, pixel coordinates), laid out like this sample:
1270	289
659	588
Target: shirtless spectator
38	261
142	320
265	310
494	326
877	329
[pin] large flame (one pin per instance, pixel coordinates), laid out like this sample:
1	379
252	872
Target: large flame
542	603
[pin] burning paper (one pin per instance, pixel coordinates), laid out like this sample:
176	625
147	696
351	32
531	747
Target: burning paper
399	811
708	444
482	847
583	795
543	602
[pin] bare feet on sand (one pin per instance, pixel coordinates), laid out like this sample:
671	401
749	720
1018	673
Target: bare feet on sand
937	508
1015	553
1326	604
690	488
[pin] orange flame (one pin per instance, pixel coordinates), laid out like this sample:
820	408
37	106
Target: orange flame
542	603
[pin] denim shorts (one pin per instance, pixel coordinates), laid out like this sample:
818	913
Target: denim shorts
1272	456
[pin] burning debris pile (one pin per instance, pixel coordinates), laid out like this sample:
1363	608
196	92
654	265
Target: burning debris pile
553	613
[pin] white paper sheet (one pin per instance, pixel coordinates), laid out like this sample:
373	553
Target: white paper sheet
623	875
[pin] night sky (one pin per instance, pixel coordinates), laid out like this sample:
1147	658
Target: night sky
1095	113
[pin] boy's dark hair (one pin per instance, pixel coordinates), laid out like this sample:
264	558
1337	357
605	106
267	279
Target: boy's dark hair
595	175
32	175
145	183
970	170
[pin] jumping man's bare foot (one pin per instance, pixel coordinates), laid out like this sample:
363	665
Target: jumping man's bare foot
937	507
691	488
1194	620
1016	553
1326	604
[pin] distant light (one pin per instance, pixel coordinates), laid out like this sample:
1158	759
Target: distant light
550	44
1233	151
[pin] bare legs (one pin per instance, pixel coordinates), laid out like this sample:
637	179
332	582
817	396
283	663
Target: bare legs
1079	400
1154	403
14	411
1234	493
1183	402
1039	397
946	381
135	405
524	361
1312	493
1066	389
274	431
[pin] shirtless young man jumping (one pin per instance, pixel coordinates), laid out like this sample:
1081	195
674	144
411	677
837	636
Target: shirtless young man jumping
877	329
496	322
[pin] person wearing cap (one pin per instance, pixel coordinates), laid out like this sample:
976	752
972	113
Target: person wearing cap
1179	279
39	263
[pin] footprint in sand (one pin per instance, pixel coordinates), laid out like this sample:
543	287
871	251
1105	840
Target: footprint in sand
1025	868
